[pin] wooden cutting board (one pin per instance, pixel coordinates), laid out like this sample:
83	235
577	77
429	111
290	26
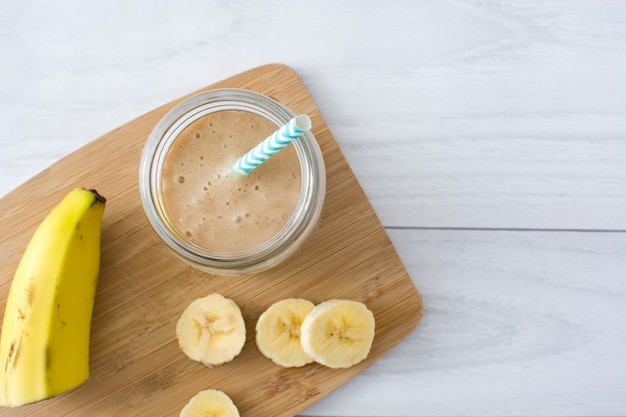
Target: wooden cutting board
136	366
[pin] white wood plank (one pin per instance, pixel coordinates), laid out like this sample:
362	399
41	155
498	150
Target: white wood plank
467	114
452	114
521	323
525	127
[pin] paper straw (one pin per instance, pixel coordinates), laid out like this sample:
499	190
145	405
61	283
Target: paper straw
293	129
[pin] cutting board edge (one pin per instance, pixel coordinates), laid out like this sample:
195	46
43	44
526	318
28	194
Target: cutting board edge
275	68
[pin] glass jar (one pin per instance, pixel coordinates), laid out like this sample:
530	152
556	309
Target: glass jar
274	249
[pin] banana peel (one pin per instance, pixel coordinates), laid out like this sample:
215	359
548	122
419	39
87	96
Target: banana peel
44	344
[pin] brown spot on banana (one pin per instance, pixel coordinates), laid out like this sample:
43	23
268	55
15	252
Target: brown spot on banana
30	293
14	353
63	323
9	356
15	347
99	198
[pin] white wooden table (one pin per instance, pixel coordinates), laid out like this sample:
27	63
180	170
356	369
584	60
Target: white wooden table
490	137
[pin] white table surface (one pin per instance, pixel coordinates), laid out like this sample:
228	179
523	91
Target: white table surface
490	137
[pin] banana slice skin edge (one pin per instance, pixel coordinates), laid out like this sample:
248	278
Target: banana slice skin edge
210	402
278	332
211	330
338	333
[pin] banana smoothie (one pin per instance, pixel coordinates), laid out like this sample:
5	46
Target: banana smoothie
215	209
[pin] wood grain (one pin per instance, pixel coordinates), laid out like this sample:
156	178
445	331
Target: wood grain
488	136
136	365
451	113
517	324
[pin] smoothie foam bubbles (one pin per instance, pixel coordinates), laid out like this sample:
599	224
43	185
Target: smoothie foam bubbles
212	218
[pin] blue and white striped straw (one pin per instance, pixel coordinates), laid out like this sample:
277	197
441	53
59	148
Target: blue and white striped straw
293	129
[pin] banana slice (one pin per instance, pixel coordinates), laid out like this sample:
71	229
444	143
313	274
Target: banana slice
278	332
338	333
211	330
210	403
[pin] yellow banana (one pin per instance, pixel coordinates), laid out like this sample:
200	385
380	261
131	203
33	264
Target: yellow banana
210	403
44	346
278	332
211	330
338	333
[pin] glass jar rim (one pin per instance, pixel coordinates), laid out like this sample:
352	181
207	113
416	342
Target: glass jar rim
300	223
